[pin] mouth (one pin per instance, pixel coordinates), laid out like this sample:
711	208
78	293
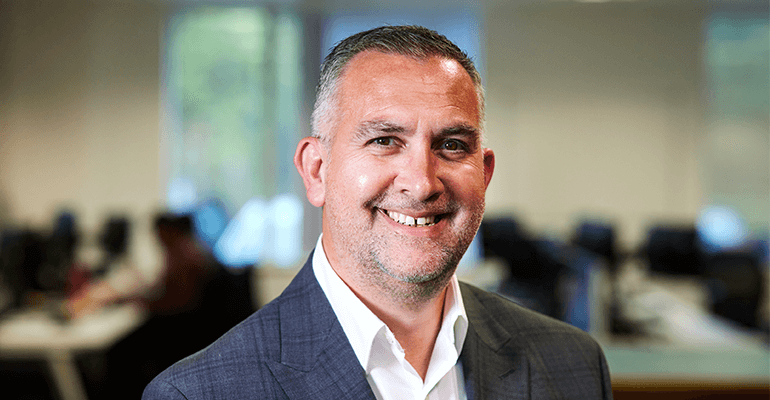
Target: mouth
409	220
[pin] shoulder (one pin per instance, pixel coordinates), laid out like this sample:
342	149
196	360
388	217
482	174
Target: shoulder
530	329
237	364
233	364
557	360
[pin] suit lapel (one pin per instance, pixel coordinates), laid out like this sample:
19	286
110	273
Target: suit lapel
317	360
493	366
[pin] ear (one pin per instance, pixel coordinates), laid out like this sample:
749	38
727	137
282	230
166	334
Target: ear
309	160
489	166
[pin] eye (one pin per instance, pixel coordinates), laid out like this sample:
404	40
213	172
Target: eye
453	145
384	141
384	145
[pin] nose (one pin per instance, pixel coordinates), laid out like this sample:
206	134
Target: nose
419	175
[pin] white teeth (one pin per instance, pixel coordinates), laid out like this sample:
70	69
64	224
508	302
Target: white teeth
411	221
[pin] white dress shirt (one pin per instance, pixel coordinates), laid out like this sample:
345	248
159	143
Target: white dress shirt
388	372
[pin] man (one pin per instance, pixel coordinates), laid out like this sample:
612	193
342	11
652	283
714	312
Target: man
397	164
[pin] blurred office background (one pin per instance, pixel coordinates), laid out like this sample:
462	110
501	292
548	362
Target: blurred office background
631	194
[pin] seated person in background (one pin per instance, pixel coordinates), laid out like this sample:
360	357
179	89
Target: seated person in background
187	267
397	163
185	293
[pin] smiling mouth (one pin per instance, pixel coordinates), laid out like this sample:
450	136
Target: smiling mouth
408	220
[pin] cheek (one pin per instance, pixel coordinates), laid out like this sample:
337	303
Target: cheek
357	177
368	181
469	179
362	181
473	196
469	189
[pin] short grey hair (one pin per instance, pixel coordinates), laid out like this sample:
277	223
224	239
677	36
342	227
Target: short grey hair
408	40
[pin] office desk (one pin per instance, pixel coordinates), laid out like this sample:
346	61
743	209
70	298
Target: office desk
35	334
691	353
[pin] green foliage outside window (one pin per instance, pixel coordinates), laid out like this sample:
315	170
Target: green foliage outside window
233	92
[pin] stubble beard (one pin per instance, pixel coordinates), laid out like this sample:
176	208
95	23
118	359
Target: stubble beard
412	284
378	264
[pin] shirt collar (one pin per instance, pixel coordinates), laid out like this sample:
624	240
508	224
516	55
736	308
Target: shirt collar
361	326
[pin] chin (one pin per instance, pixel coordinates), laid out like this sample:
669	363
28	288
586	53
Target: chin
436	267
416	287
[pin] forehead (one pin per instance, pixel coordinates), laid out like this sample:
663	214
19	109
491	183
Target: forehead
375	63
375	82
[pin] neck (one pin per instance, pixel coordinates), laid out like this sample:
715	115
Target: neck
415	323
413	311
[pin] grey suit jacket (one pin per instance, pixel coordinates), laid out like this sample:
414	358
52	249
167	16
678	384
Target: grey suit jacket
295	348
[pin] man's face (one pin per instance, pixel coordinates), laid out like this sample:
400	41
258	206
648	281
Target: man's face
405	175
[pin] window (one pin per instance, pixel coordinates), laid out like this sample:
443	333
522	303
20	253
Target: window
232	96
737	145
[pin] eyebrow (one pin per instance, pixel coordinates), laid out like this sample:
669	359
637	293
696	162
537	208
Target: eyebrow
460	130
369	129
470	133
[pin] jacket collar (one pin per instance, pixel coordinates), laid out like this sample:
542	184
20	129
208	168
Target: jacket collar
494	366
316	359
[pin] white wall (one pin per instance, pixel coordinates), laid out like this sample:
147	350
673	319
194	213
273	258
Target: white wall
79	112
594	109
